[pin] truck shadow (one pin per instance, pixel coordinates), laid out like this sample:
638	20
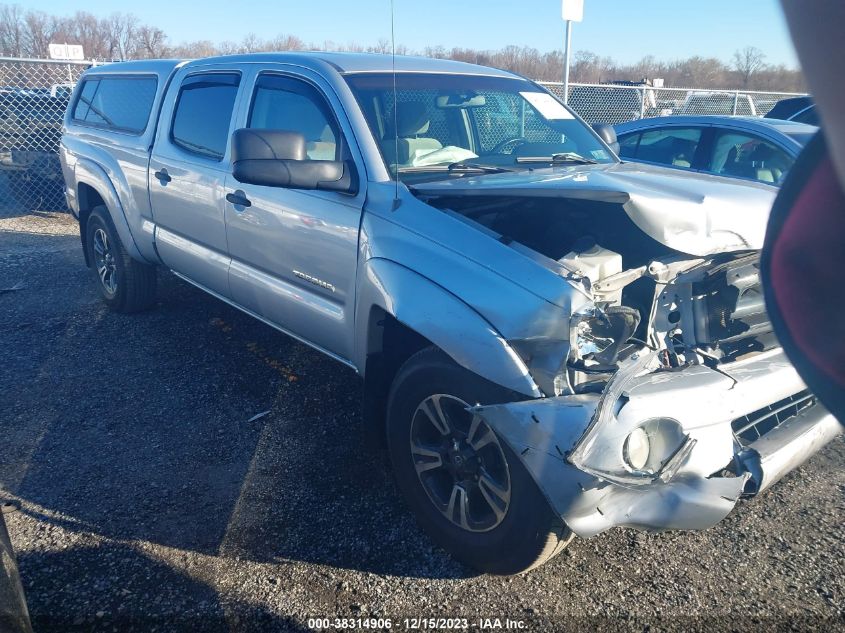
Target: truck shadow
142	427
155	597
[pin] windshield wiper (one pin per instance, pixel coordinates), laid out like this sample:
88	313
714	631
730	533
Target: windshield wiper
557	159
487	169
456	168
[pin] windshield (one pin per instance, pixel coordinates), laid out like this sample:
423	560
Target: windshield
454	123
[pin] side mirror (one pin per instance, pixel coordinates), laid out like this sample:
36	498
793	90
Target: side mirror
608	135
277	158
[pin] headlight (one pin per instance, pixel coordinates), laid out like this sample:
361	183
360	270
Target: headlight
636	449
650	446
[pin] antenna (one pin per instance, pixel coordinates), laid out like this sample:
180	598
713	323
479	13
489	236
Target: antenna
396	200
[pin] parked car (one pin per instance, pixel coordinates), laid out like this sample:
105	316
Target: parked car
700	102
552	343
750	148
798	109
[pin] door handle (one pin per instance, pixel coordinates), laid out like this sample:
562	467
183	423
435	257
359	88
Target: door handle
163	176
238	199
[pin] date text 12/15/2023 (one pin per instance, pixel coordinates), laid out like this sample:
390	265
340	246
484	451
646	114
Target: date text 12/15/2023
416	624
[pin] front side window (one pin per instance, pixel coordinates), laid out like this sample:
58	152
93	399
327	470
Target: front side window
282	103
118	103
204	112
444	119
674	147
745	156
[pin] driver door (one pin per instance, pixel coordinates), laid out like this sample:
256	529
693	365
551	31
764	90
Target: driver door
295	252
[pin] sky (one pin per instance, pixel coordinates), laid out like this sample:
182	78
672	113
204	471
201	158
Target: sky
625	30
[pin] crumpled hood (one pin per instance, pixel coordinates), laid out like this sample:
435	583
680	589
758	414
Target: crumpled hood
693	213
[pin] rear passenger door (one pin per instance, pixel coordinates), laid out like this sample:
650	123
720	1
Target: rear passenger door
188	169
295	252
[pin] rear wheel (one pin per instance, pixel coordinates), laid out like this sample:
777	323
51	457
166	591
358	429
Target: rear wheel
125	284
468	489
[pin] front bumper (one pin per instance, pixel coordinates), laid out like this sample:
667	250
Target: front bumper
569	443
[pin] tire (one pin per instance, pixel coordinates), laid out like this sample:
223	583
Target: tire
524	533
127	284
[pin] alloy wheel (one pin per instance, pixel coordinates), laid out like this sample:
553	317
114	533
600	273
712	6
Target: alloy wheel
105	262
460	463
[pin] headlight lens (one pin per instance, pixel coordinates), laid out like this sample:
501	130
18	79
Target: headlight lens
637	448
649	446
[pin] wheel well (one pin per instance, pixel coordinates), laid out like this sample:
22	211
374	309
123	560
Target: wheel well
389	344
88	199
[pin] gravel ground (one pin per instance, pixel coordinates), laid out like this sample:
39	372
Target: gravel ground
150	499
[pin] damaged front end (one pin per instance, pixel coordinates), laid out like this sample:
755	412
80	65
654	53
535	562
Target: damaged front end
670	430
667	396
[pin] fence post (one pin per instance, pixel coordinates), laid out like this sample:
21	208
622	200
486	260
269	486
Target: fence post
642	103
566	62
736	100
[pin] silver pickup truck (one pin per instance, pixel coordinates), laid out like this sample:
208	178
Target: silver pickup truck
552	342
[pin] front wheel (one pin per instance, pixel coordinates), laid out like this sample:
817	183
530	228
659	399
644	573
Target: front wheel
468	490
126	285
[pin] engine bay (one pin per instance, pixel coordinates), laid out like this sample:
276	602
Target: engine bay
691	309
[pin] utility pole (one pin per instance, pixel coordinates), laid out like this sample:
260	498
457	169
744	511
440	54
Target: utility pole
572	11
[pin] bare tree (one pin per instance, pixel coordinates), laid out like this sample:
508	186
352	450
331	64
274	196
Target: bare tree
588	67
28	34
438	52
251	44
199	48
40	31
747	62
288	43
152	42
12	39
383	46
122	33
87	30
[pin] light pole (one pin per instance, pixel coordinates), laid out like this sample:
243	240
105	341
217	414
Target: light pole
572	11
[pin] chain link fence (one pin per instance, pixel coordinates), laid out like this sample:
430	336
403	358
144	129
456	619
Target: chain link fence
613	104
35	93
33	97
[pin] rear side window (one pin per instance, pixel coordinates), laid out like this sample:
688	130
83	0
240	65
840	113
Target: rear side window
203	113
746	156
116	103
